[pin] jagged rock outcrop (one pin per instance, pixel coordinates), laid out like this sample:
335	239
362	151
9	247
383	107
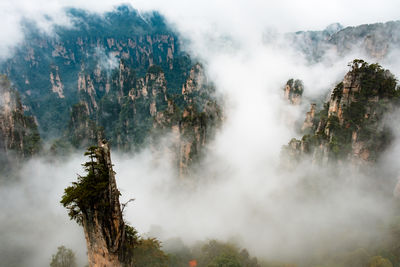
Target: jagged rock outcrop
93	202
196	81
294	91
136	109
130	80
82	130
193	124
195	130
56	84
308	123
54	72
102	222
350	127
19	137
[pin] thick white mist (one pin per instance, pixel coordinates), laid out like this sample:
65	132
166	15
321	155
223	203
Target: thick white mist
239	190
32	221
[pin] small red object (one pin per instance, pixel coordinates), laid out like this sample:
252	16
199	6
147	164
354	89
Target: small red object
192	263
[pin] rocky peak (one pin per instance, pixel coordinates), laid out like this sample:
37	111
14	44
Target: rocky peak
350	127
93	202
309	121
102	221
294	91
195	82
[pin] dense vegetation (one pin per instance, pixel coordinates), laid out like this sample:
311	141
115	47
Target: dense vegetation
94	41
63	258
19	135
355	114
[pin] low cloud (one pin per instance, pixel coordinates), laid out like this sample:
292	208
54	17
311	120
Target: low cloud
239	190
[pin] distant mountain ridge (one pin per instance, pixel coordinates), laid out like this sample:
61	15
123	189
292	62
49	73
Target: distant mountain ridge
375	40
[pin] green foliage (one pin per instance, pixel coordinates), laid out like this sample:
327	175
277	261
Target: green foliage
154	69
89	190
60	147
125	26
354	114
63	258
143	252
375	81
218	254
296	85
338	91
340	143
361	114
148	253
378	261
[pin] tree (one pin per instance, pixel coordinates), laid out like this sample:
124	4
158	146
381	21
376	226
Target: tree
63	258
379	261
89	189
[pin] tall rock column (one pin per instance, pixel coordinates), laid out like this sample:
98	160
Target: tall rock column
103	223
93	201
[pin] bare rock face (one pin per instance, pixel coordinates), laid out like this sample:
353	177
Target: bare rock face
102	222
350	127
193	126
309	121
93	201
196	81
19	137
56	84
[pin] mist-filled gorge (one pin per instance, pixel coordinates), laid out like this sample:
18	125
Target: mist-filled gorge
199	134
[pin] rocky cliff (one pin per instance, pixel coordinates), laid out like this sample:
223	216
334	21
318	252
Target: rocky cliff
375	40
137	110
19	136
54	72
350	127
192	117
94	202
119	74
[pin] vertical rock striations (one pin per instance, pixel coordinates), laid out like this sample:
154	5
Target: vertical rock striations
19	137
94	202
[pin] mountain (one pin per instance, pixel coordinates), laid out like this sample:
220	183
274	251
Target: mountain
19	136
120	76
374	40
351	126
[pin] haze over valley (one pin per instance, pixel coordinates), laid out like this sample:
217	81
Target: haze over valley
213	133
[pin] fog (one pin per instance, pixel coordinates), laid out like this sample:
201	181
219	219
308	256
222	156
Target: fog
239	191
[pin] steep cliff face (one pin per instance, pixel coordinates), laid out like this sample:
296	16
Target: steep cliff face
137	109
82	131
102	220
192	117
122	73
351	125
19	137
375	40
94	202
52	73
